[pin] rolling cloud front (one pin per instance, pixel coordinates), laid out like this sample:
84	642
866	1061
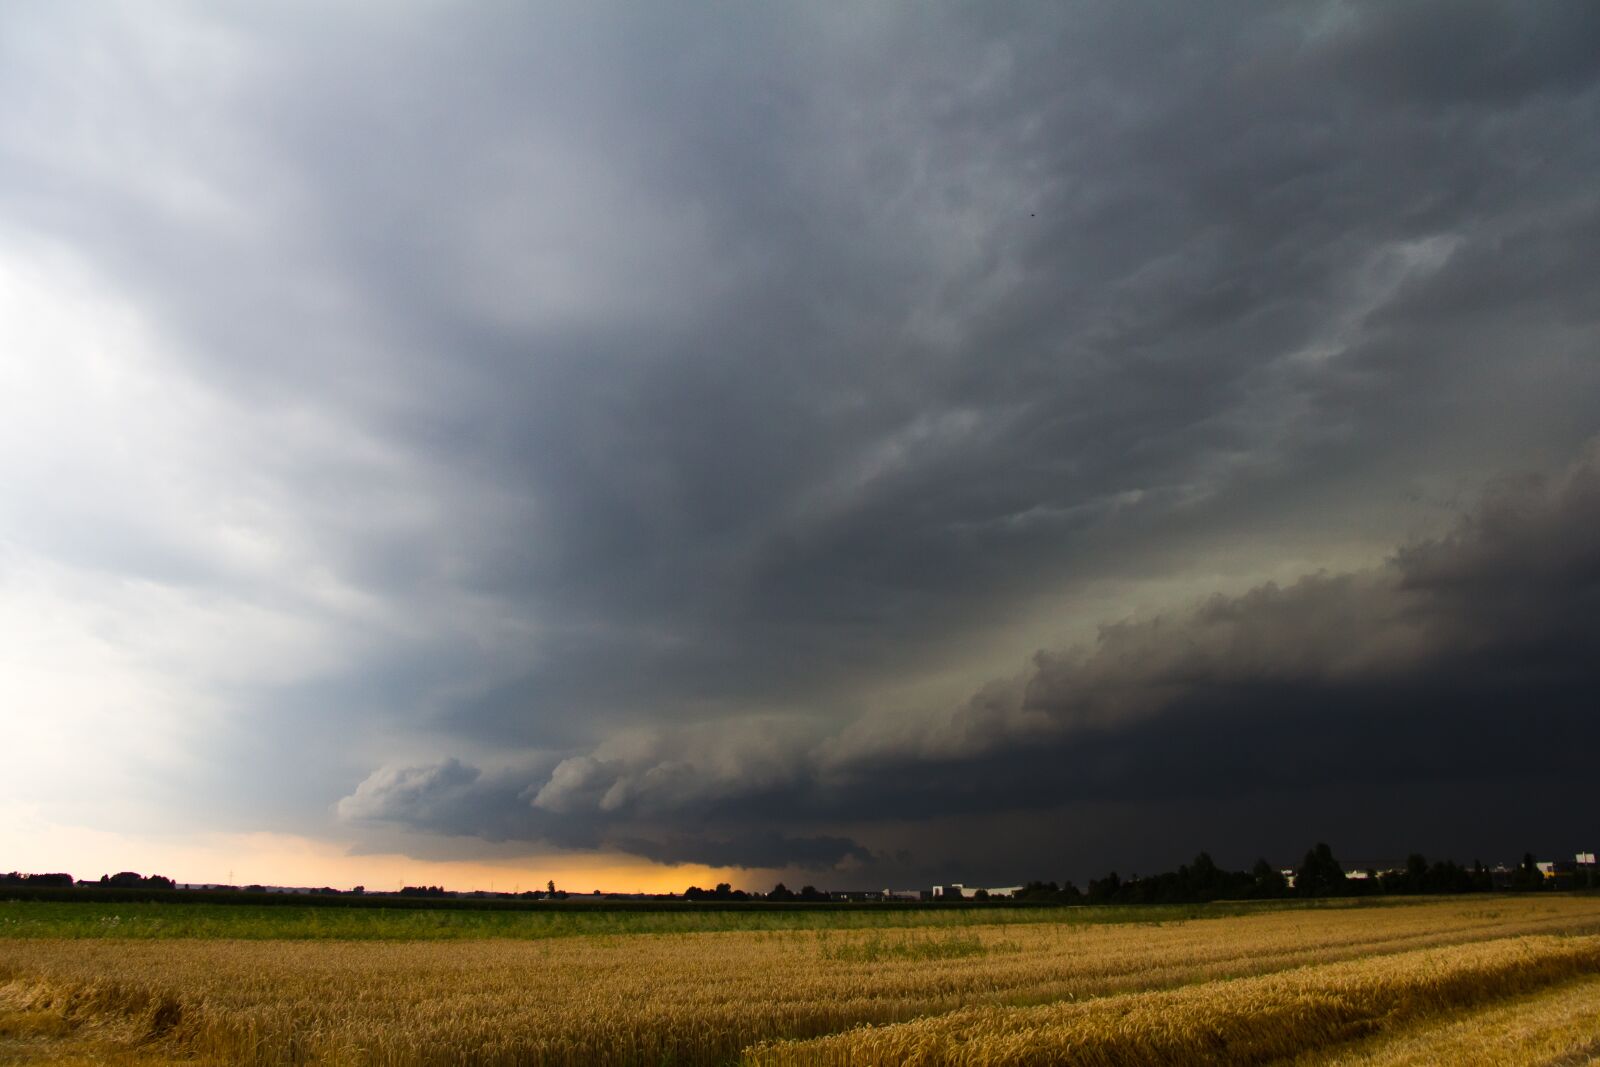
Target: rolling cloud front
1458	662
900	444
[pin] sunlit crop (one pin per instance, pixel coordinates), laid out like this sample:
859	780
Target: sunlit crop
1240	988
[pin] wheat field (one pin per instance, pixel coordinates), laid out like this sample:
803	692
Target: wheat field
1387	985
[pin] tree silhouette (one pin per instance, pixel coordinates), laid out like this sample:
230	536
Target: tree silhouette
1320	874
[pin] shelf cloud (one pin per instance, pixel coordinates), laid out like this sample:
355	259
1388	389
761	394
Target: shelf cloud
1459	659
676	433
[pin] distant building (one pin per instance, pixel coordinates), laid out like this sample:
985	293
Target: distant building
1560	874
969	892
1368	871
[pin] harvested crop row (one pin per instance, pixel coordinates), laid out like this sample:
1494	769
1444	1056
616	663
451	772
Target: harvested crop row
1560	1025
692	999
1241	1022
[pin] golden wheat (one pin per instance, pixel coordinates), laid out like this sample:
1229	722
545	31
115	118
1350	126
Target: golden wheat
1245	1021
1560	1025
708	998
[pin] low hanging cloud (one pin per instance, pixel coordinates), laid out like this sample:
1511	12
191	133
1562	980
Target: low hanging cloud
1463	656
619	398
641	793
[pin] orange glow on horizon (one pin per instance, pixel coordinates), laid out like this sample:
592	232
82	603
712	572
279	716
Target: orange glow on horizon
30	844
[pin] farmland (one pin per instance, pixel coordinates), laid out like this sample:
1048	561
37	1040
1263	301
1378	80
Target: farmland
1234	984
145	919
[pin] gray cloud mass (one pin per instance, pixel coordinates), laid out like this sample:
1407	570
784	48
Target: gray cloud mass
674	431
1462	659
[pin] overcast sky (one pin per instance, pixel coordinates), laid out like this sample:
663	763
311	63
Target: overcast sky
860	444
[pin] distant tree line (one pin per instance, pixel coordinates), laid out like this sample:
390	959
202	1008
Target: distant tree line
60	881
779	893
131	880
723	891
807	894
120	880
1319	875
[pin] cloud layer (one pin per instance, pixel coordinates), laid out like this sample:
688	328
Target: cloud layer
1461	661
659	412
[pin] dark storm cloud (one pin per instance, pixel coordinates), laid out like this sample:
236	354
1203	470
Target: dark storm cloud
768	849
639	794
452	799
1462	661
1227	266
456	800
600	377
